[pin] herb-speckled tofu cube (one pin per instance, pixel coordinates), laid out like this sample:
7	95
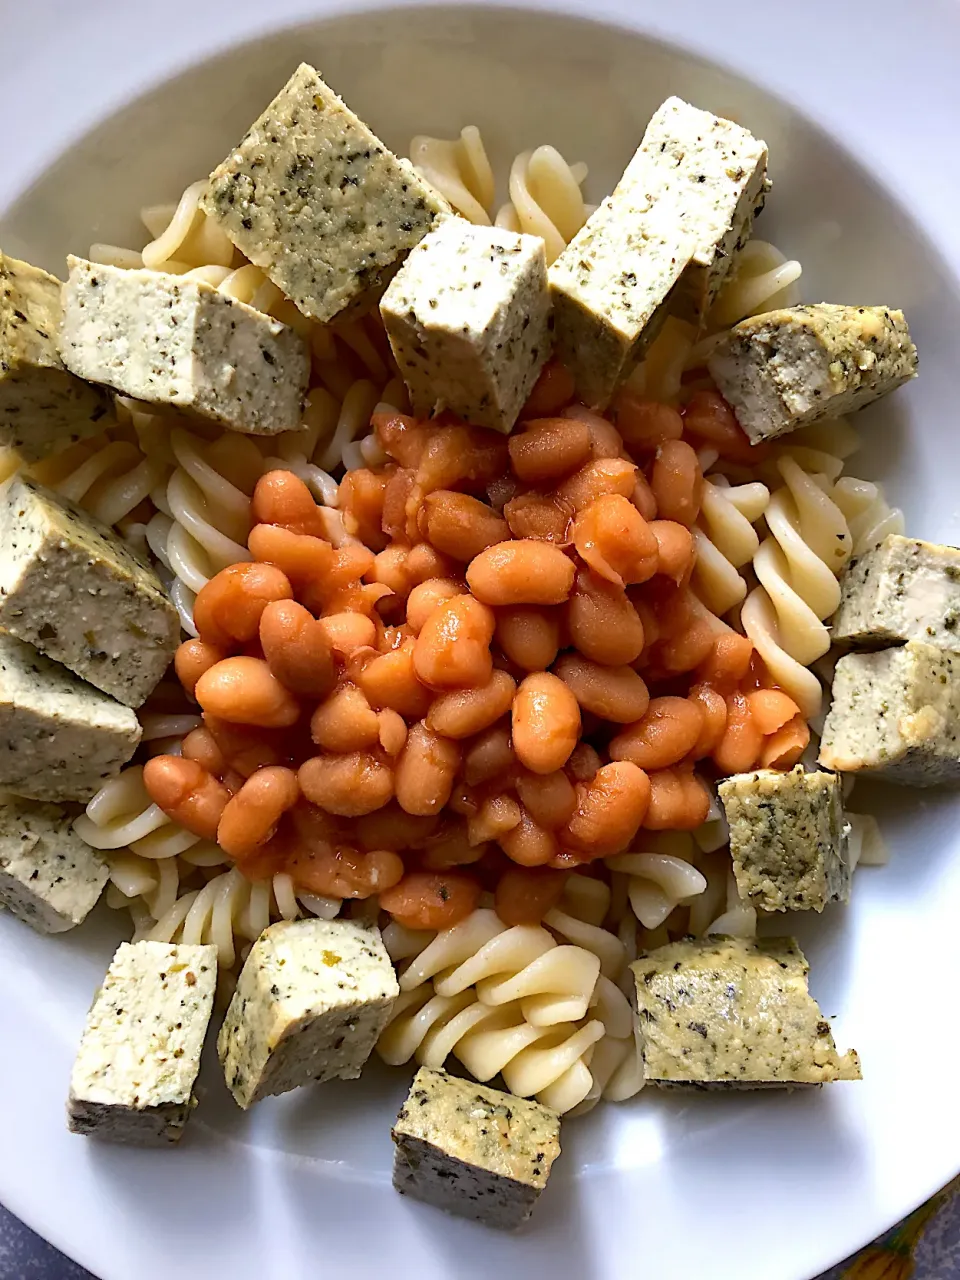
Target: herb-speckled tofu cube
472	1150
74	589
467	316
60	739
788	838
783	369
896	714
312	998
734	1013
905	589
49	877
42	406
318	202
138	1060
182	343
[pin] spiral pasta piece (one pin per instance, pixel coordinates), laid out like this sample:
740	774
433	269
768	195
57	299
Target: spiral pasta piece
726	540
739	920
459	170
122	816
762	280
109	478
545	199
660	880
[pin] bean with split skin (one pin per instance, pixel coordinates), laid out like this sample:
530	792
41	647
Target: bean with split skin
345	721
452	650
346	785
610	809
251	817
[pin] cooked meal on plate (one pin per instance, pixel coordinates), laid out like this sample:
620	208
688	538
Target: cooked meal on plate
448	632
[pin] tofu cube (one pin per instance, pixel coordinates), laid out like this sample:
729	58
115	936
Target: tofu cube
734	1013
60	739
49	877
788	838
312	998
663	241
786	368
468	316
42	405
896	714
472	1150
181	343
905	589
73	589
133	1077
318	202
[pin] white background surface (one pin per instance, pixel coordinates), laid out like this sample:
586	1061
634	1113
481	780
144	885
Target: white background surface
757	1188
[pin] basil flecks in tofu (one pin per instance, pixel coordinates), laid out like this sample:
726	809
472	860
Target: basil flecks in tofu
473	1150
74	589
170	341
783	369
42	406
467	317
49	877
905	589
311	1001
133	1077
896	714
788	838
60	739
735	1013
318	202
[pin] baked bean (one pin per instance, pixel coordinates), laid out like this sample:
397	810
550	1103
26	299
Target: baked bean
549	449
728	662
301	556
545	721
296	649
391	827
529	637
605	439
666	733
521	572
709	418
679	801
643	499
339	590
390	568
648	618
282	498
427	596
549	798
451	847
713	706
345	873
597	478
490	755
432	900
524	895
603	624
392	731
645	424
227	610
739	748
689	634
610	808
390	681
425	770
460	455
361	500
771	709
496	816
193	659
425	561
345	721
552	390
459	525
677	482
252	816
674	548
245	691
464	800
201	745
783	749
584	762
402	437
246	748
314	828
347	785
187	793
465	712
396	498
452	650
613	538
266	860
613	693
347	632
528	844
539	516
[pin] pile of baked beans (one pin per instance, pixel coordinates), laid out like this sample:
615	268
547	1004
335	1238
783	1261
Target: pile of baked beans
501	676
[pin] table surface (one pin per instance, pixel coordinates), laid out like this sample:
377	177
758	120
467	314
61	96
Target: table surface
925	1246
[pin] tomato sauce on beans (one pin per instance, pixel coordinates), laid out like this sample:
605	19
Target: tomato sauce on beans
499	674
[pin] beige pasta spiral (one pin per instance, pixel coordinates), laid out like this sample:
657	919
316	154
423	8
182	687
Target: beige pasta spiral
726	540
459	170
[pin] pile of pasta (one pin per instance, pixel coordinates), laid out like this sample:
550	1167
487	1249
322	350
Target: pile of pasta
476	689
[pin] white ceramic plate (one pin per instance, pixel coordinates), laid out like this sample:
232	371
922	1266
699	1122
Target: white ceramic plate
111	105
